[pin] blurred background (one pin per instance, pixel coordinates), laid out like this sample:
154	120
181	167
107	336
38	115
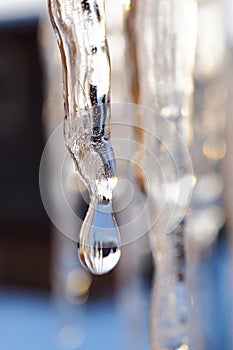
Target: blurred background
47	301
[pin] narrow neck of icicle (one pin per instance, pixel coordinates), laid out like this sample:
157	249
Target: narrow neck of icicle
104	189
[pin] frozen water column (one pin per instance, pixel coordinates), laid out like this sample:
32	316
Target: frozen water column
80	31
161	37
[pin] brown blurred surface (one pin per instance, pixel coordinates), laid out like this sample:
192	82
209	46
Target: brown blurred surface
24	225
25	257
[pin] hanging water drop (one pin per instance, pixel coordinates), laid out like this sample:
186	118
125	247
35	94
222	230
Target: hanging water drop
99	239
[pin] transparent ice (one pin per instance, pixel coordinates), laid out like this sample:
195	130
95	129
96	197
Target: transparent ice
80	32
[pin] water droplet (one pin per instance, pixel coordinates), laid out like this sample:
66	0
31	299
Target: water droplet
99	238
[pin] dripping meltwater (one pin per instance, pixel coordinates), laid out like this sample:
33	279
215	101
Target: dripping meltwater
99	239
87	139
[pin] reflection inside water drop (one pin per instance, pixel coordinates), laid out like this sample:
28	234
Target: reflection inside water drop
98	260
99	238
